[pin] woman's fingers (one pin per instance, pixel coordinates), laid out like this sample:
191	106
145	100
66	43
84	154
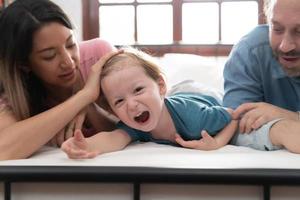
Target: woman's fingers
92	85
96	68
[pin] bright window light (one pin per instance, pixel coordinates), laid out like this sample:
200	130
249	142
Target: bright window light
233	27
115	29
200	23
155	24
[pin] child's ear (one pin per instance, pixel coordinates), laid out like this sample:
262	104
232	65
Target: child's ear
102	102
162	85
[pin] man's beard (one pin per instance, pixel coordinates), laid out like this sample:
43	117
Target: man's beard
295	71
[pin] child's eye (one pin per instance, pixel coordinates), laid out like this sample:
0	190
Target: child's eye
138	89
118	102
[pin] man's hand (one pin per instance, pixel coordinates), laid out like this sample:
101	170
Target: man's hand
253	115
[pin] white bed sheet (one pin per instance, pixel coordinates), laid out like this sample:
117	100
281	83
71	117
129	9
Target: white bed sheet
165	156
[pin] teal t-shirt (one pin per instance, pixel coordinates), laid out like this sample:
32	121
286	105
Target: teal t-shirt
191	113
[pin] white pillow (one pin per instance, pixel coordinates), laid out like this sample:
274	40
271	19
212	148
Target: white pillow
206	70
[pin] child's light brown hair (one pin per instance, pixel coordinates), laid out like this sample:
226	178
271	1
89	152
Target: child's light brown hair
129	57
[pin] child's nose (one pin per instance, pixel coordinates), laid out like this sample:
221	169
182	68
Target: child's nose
132	104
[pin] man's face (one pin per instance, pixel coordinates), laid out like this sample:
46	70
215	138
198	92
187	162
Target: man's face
285	35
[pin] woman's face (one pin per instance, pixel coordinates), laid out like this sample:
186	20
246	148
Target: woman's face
55	56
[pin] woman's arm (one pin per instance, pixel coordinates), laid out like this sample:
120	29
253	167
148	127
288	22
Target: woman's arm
79	147
20	139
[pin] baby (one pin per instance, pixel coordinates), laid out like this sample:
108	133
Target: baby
134	89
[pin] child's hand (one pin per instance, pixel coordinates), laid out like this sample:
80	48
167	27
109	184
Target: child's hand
207	142
77	147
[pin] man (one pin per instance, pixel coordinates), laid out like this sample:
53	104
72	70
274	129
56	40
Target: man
262	81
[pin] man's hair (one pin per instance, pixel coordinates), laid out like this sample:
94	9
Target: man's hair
268	8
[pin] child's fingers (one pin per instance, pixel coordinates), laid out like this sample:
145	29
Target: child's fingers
204	134
79	139
188	144
78	135
92	154
83	155
76	154
206	137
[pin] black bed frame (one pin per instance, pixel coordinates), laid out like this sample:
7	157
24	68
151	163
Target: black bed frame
139	175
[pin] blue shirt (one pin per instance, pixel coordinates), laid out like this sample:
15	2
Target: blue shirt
252	74
191	113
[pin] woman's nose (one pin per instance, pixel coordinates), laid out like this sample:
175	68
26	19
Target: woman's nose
66	60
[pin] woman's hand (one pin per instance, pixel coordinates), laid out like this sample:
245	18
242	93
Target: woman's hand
92	85
77	147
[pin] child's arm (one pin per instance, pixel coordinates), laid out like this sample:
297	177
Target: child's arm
208	142
79	147
224	136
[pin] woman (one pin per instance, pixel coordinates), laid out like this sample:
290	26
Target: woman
42	92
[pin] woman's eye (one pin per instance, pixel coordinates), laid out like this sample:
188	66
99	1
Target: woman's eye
71	45
50	57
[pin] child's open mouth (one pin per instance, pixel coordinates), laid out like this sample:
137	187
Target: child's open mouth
143	117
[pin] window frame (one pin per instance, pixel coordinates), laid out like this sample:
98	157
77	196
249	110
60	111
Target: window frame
90	12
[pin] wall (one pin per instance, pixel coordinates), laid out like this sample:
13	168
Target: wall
73	8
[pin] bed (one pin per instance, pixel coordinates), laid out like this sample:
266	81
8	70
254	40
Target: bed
161	172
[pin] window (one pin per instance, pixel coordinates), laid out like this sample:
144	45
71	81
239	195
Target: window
206	27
